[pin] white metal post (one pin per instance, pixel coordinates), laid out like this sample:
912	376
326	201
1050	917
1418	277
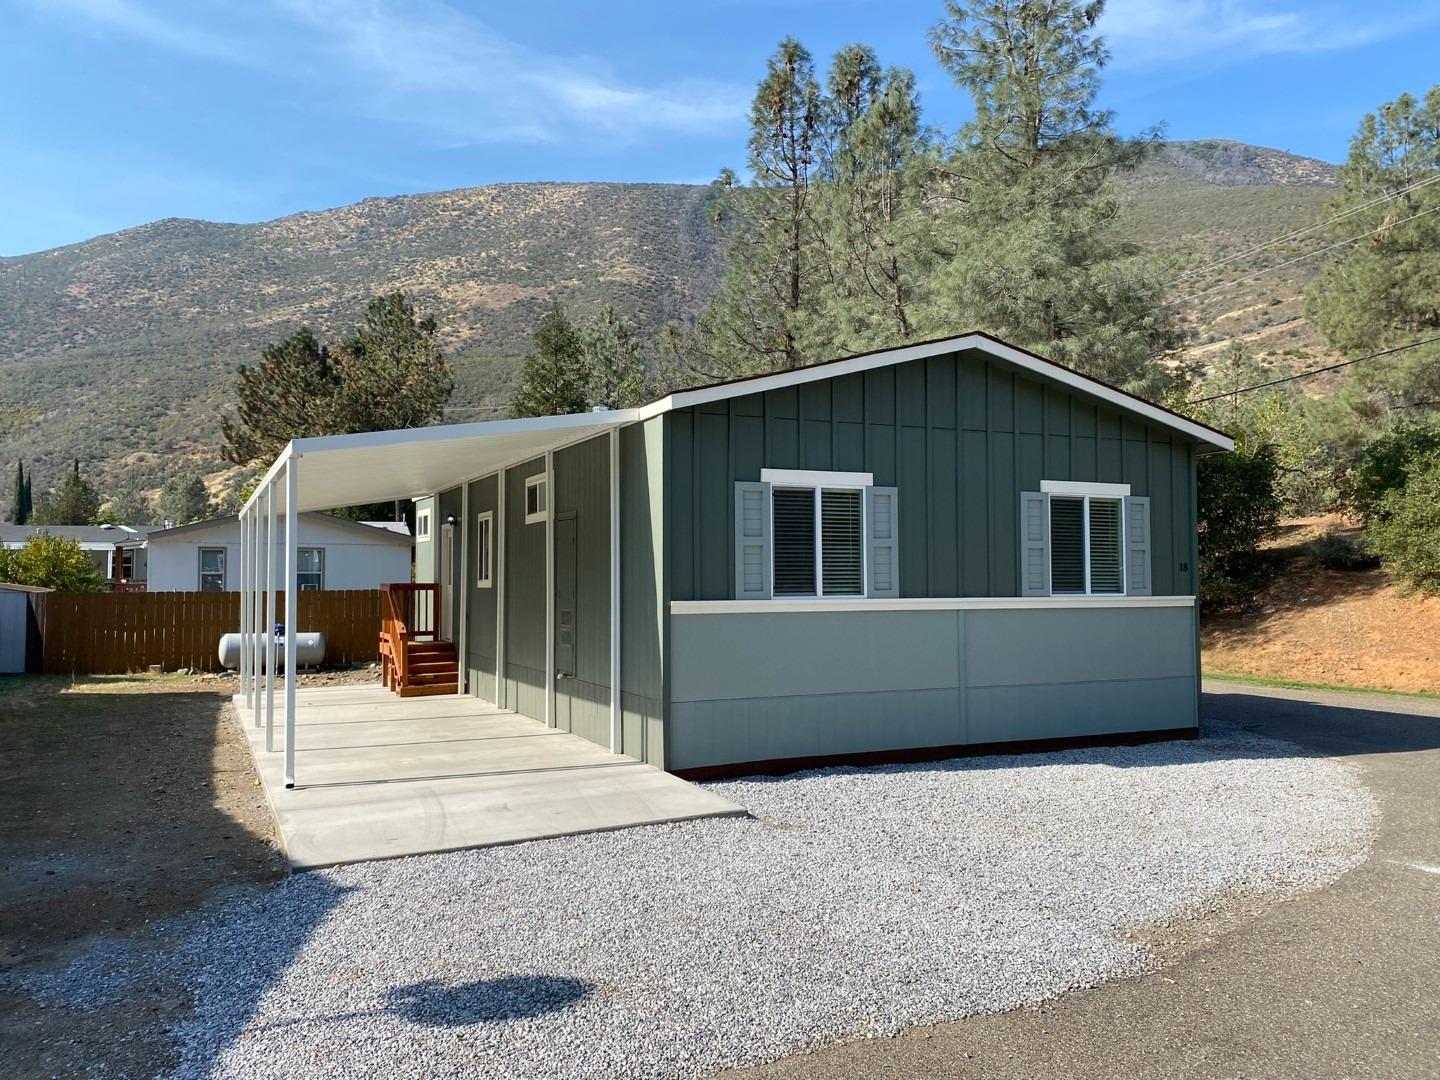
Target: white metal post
615	733
291	574
498	542
270	617
549	588
257	666
462	667
244	611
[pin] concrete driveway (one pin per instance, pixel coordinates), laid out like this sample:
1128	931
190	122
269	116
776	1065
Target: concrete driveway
1344	982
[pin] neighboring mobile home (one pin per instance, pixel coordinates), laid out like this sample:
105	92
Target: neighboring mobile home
903	554
116	550
334	553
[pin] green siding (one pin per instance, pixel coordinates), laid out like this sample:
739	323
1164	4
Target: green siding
960	436
480	636
765	686
642	577
582	489
448	505
524	681
425	549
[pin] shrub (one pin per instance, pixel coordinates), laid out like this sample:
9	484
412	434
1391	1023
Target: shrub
1239	508
51	562
1336	551
1404	530
1385	464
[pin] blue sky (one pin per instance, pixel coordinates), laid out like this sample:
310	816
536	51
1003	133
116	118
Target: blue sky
118	112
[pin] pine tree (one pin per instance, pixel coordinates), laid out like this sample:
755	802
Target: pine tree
17	501
756	323
29	499
184	498
290	394
74	502
616	371
1385	289
553	377
1031	253
870	208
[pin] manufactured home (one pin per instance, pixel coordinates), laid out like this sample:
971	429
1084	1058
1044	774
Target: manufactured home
905	554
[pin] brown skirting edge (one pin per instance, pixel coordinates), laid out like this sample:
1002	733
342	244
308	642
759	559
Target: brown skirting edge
914	754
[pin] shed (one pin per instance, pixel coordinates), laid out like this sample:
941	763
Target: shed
906	554
20	642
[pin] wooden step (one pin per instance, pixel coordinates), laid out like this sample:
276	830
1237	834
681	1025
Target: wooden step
432	677
428	689
432	667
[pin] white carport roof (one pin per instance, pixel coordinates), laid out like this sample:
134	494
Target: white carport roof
377	466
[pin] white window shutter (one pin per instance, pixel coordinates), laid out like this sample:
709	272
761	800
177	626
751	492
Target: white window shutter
1139	579
1034	544
882	522
752	541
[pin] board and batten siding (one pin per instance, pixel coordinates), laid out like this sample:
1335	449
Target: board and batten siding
959	435
480	631
643	590
524	598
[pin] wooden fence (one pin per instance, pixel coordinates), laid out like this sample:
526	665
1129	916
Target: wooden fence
115	633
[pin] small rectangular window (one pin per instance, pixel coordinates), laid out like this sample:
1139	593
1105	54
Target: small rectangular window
1067	545
212	569
842	542
1086	551
422	525
310	563
794	531
537	499
484	550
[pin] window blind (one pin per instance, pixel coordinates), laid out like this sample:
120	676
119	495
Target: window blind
1106	575
794	541
841	543
1067	545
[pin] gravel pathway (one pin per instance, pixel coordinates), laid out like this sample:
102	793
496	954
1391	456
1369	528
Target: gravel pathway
861	902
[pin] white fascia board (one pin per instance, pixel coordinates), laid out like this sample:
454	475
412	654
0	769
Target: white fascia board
1084	487
270	474
1074	380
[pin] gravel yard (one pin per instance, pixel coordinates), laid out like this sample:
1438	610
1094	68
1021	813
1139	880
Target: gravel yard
859	902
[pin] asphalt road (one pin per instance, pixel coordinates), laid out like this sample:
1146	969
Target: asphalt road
1339	983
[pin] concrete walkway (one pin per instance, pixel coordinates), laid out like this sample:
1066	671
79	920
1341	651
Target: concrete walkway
1337	983
378	777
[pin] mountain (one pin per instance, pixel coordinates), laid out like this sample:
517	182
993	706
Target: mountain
121	350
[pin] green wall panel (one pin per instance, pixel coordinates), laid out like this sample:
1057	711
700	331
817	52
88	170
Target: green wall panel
481	629
524	598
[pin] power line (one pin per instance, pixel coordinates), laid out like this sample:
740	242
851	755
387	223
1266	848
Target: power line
1307	255
1301	232
1314	371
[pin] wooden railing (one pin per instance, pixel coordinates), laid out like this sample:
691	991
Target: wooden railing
407	613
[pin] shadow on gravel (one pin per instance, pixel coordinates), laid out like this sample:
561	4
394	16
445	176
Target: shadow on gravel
519	997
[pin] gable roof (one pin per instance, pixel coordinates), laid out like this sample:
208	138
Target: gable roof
829	369
103	535
378	532
372	466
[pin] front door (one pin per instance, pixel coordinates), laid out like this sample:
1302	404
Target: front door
447	583
566	615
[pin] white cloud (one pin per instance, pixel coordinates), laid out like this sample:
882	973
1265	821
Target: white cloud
425	65
1146	33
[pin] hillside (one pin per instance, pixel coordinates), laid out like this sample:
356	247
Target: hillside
121	350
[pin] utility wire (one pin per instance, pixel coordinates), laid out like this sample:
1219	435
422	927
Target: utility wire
1307	255
1301	232
1314	371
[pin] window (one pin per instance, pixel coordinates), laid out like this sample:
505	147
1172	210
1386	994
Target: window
818	526
212	569
1084	539
422	525
537	499
310	569
484	550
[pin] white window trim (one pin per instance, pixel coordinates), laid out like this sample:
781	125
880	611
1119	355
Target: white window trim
224	566
538	480
816	482
1085	487
422	527
485	549
310	547
1111	492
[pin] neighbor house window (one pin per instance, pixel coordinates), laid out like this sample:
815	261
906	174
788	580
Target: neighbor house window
816	535
310	569
485	549
1084	539
537	499
212	569
422	525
